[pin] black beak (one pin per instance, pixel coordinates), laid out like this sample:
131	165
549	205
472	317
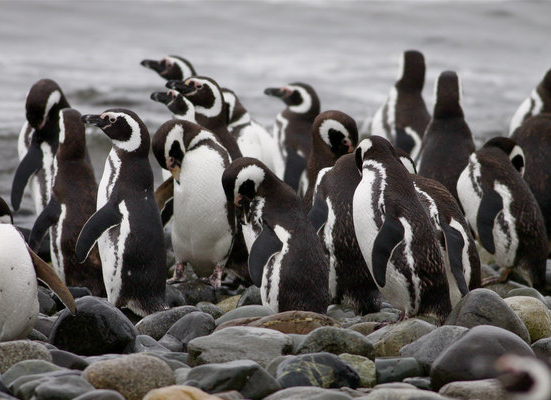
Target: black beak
160	97
28	166
275	92
154	65
96	120
180	86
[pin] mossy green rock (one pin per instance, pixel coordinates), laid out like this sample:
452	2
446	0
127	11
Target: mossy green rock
534	314
401	334
337	341
364	367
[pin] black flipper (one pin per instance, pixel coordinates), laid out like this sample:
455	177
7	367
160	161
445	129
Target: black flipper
404	140
318	213
164	195
294	167
490	206
264	247
105	218
28	166
390	235
48	217
168	211
454	248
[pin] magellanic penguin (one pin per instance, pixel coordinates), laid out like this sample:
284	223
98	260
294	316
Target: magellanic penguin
524	377
334	134
210	111
403	117
202	233
37	143
395	235
127	224
538	102
19	269
503	212
448	141
293	128
179	106
286	258
73	201
253	139
534	137
331	216
454	235
171	67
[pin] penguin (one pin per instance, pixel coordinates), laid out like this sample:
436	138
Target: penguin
19	269
37	143
202	232
293	127
252	138
403	117
72	202
334	134
331	217
286	258
171	67
127	224
534	137
457	244
538	102
525	378
210	112
503	212
395	235
179	106
448	141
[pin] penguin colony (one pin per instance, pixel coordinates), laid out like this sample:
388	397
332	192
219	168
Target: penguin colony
310	213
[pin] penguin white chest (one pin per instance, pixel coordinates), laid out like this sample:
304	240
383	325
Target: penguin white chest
469	191
328	242
110	175
504	229
271	276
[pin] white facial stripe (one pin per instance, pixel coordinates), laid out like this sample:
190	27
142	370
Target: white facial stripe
517	151
176	134
189	114
5	219
53	99
270	296
401	66
230	99
216	108
186	71
306	100
460	90
505	234
408	164
135	139
332	124
203	135
61	128
365	145
252	172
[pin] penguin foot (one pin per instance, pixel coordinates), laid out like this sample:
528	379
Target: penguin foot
179	275
504	277
216	278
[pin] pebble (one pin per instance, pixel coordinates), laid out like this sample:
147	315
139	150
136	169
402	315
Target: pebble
195	291
46	305
534	314
229	303
250	296
143	343
62	388
337	340
101	394
402	394
157	324
27	367
401	334
191	326
542	348
179	392
251	311
487	389
68	360
180	375
210	308
364	367
45	324
302	393
365	328
20	350
396	369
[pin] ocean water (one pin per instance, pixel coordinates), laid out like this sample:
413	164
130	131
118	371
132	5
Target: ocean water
347	50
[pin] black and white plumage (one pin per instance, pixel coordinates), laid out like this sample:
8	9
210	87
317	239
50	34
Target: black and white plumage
524	378
331	216
534	137
37	143
19	269
178	105
210	111
252	138
286	258
334	134
403	117
202	231
395	235
72	202
503	212
293	128
171	67
539	102
448	141
127	224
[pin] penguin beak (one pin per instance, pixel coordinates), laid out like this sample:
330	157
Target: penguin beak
275	92
28	166
181	87
152	64
237	200
175	168
160	97
95	120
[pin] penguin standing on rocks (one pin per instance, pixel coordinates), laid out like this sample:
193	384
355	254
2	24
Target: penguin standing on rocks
395	235
403	118
37	143
448	141
293	128
19	269
503	212
534	137
202	232
334	134
73	201
171	67
286	258
331	216
538	102
127	224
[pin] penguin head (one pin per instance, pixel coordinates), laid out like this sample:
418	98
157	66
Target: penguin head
512	149
178	105
234	108
299	97
204	93
374	147
44	100
337	130
448	96
523	376
72	140
412	71
171	67
126	130
5	213
546	82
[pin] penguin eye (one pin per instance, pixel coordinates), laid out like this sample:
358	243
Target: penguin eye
112	120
